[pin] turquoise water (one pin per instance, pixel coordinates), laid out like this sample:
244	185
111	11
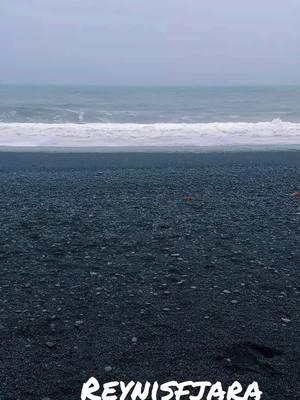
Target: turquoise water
87	104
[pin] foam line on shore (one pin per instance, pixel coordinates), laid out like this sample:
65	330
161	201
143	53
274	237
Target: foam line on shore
273	133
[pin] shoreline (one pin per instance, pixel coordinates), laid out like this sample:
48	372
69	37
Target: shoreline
151	149
276	133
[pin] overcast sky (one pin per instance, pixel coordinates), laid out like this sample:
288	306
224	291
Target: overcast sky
150	42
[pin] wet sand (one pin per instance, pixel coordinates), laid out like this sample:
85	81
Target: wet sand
161	266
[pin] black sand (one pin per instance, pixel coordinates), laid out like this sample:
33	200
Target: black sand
162	266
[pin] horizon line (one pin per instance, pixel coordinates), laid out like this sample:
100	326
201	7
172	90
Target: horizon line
127	85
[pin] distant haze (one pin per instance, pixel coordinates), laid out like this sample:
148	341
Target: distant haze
150	42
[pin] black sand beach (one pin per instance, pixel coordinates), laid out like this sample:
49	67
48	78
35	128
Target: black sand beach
160	266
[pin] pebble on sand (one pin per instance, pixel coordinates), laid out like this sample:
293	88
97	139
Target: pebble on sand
296	195
108	368
188	198
50	345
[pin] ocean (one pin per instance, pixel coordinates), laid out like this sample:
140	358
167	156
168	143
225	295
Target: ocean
88	116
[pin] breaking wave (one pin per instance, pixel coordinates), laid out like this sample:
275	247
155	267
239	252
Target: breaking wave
273	133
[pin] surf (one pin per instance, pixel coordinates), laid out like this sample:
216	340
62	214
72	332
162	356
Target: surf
274	133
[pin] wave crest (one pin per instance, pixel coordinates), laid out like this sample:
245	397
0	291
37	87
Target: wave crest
275	132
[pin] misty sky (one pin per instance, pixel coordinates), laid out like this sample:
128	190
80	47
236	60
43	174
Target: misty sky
150	42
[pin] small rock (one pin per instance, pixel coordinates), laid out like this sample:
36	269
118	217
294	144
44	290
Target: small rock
226	291
187	198
108	368
286	320
296	195
50	345
134	340
52	326
234	302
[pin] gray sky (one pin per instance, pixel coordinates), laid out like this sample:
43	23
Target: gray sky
150	42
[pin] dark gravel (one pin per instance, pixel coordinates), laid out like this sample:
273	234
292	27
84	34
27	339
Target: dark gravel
161	266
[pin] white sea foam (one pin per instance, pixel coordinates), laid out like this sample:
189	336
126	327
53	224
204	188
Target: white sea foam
273	133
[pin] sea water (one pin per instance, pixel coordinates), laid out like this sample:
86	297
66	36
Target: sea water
88	116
